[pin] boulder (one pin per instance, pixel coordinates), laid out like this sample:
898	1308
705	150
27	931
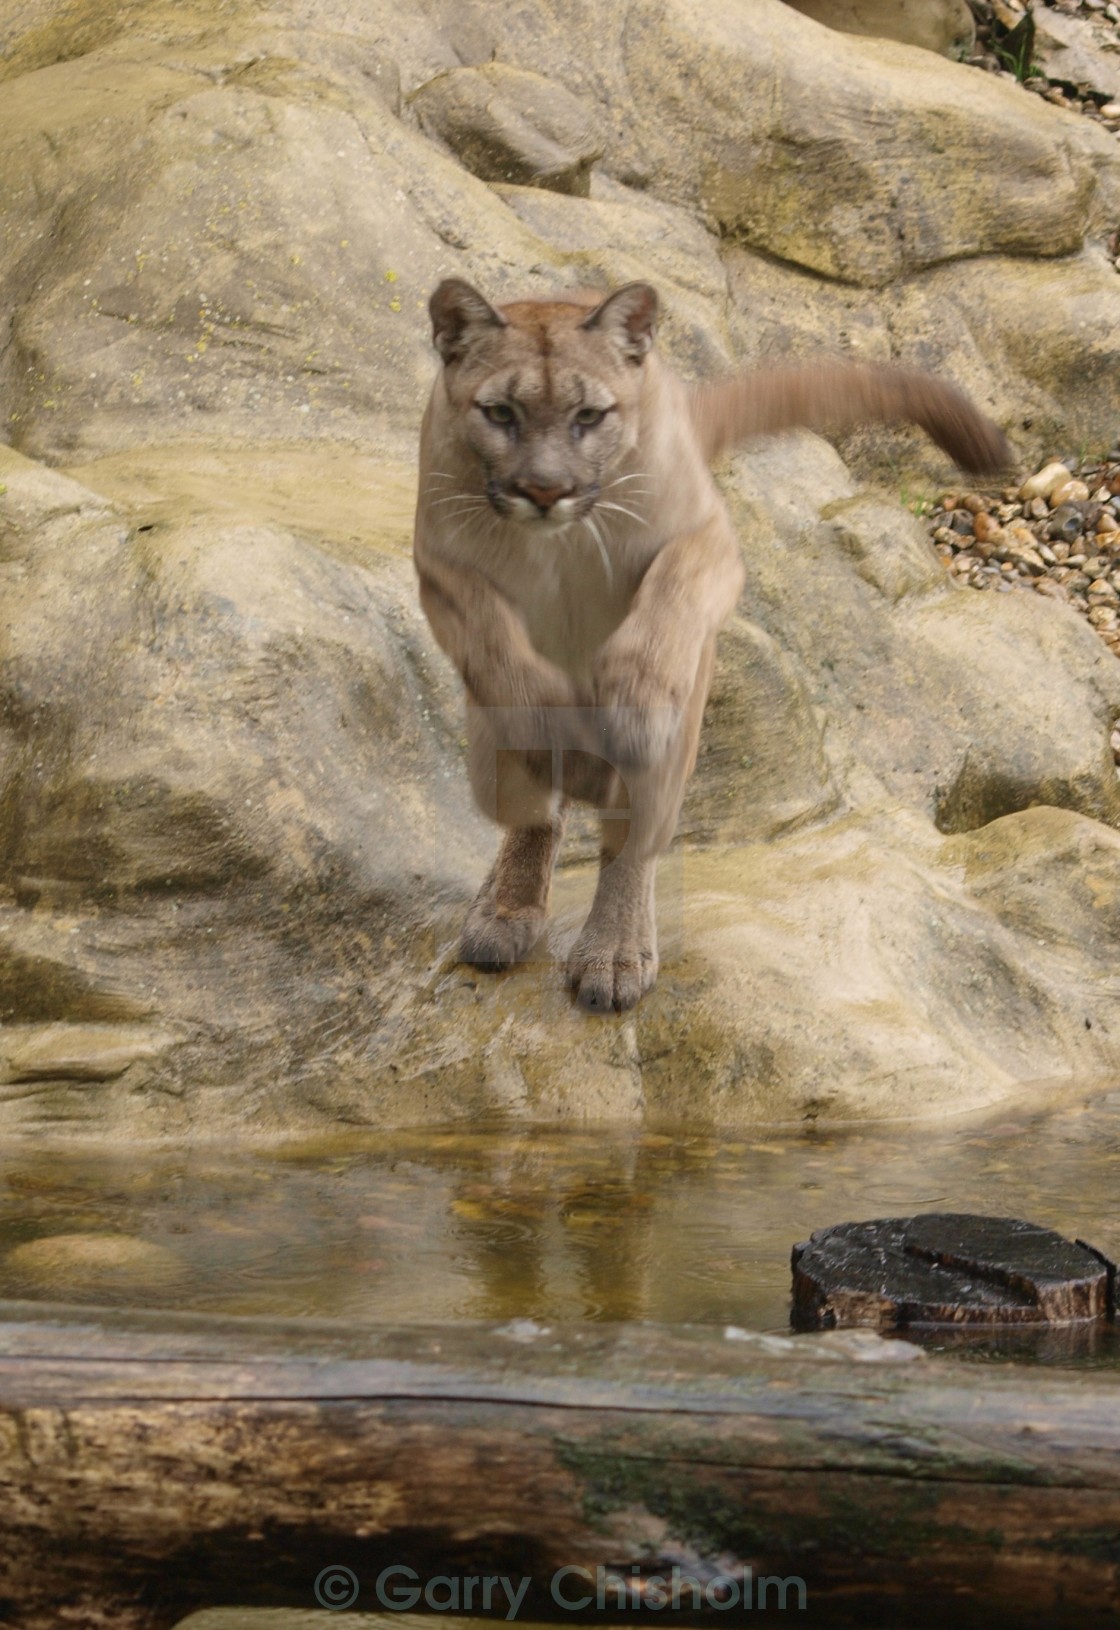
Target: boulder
843	155
946	26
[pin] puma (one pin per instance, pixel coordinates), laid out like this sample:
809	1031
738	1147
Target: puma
576	562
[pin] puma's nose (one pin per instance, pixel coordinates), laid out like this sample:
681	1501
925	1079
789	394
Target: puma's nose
543	497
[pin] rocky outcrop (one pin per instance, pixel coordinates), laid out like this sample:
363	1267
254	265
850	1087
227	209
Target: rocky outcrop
235	835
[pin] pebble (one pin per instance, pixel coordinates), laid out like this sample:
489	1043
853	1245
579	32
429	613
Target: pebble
1052	591
1043	484
1068	492
1066	523
1030	558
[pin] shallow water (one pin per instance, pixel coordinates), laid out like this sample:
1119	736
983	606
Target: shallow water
555	1224
504	1222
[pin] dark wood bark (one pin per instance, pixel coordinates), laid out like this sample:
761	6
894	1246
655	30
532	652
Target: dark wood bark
154	1466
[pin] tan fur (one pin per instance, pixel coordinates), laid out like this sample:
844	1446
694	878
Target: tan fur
576	569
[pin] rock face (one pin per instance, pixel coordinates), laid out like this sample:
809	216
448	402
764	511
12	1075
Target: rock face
235	835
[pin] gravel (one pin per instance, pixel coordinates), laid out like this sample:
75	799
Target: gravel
1056	534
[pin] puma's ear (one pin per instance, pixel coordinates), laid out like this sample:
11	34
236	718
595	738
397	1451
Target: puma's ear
629	318
459	315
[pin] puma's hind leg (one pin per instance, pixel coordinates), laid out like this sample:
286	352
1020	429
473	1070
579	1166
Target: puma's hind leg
511	908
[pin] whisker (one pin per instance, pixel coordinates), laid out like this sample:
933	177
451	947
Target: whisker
465	509
467	522
592	526
459	498
622	510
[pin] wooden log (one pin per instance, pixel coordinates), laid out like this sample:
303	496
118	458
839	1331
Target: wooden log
150	1466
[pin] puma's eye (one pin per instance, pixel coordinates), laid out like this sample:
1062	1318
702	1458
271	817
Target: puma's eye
499	413
586	419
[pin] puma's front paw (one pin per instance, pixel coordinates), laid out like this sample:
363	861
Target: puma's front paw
612	973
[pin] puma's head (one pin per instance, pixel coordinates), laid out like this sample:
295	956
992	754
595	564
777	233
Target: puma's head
546	391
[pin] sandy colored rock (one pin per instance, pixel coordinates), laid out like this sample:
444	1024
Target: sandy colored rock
507	125
236	841
189	292
63	1266
1078	50
945	25
79	1052
749	167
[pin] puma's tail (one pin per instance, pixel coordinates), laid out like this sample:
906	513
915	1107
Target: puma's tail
836	396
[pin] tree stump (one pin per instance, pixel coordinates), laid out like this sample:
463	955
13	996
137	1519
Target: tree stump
947	1268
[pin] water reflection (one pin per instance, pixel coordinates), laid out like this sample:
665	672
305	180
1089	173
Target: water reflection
507	1222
